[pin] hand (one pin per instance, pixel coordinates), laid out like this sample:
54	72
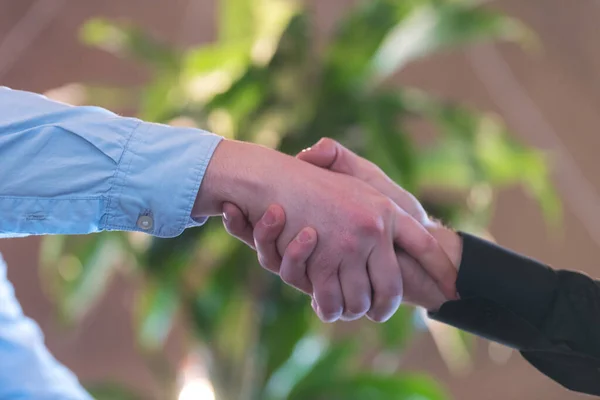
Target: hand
328	153
419	288
353	268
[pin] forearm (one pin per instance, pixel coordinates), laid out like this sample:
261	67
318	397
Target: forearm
74	170
550	316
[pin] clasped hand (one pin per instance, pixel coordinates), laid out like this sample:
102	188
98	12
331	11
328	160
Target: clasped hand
337	228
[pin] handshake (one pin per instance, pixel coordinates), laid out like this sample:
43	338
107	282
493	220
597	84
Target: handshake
334	226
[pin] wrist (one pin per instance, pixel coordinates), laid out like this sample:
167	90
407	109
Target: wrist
236	173
449	240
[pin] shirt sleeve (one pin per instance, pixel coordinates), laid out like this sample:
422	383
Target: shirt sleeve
77	170
551	316
27	369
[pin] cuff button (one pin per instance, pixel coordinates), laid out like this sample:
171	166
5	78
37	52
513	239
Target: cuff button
145	222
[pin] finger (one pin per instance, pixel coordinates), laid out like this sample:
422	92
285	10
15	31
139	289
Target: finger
326	289
419	288
386	280
293	264
315	307
323	154
330	154
266	232
356	288
236	224
417	242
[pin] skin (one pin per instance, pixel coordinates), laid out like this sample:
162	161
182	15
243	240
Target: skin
423	283
353	268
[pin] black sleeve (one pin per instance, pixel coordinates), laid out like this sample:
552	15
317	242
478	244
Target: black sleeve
552	317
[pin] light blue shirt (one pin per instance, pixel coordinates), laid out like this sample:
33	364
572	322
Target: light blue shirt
76	170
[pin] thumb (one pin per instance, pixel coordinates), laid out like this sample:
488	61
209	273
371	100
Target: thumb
330	154
323	154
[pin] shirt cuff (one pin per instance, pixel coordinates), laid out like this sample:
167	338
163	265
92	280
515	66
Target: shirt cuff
157	180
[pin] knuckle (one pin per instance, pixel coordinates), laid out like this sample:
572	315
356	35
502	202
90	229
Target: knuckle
378	317
383	312
329	302
289	276
357	308
268	264
296	254
330	312
231	230
350	244
233	227
369	224
261	234
387	207
322	270
391	293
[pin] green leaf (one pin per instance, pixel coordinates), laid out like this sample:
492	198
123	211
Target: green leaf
285	322
238	314
273	19
357	39
97	269
243	99
236	20
79	277
445	165
398	329
381	116
156	306
306	353
51	249
111	392
505	161
452	347
477	148
432	28
167	258
377	387
211	299
330	366
101	33
229	57
161	100
127	40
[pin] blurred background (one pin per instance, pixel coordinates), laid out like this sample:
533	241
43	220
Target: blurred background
487	110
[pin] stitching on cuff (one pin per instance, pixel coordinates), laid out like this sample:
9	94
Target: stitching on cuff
115	188
199	171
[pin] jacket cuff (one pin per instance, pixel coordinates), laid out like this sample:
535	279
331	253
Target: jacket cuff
503	295
157	180
524	286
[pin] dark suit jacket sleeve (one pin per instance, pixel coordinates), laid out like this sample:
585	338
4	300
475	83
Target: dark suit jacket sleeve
552	317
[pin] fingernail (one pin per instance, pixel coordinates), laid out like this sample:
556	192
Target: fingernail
269	218
306	149
304	237
225	216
